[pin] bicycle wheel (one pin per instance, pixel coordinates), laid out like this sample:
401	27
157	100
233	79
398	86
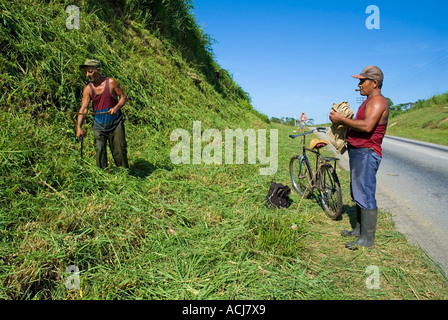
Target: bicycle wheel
299	170
330	191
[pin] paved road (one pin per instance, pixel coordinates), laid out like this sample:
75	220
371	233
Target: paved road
412	184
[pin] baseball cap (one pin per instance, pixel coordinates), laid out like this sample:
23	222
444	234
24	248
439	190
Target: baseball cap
371	72
91	63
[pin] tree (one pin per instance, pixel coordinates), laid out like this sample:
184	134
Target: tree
390	102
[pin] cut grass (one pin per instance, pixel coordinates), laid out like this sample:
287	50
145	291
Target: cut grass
193	232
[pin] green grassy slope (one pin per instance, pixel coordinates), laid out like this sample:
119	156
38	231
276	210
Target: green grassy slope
159	230
157	53
426	121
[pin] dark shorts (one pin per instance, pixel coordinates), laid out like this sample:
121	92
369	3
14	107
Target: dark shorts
364	164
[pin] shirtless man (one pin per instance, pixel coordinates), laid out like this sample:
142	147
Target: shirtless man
302	123
364	138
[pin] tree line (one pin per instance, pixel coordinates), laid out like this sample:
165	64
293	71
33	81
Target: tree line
290	121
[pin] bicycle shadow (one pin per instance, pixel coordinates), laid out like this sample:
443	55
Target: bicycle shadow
318	199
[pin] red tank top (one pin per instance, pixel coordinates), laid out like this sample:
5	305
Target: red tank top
372	139
101	103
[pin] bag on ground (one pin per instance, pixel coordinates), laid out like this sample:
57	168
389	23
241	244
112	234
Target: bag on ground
278	195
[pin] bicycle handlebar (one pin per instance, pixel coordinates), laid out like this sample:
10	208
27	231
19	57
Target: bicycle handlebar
292	136
320	129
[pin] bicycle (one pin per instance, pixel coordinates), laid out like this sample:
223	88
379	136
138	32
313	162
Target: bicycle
325	179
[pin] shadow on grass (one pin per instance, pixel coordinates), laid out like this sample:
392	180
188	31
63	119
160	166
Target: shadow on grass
142	168
317	197
351	213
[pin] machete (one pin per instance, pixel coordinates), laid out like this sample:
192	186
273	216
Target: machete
72	118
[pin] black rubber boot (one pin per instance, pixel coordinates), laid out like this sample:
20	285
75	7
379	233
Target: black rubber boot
356	230
368	227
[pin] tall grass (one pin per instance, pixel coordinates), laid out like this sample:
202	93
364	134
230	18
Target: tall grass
40	58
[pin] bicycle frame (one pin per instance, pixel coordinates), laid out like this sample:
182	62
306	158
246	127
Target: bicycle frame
319	160
323	178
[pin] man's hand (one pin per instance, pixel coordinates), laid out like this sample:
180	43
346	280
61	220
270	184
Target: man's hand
336	117
80	133
113	111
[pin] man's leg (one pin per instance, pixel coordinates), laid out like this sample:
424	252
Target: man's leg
364	164
118	146
100	141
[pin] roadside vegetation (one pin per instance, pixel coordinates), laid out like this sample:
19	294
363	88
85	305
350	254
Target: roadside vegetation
425	120
159	230
290	121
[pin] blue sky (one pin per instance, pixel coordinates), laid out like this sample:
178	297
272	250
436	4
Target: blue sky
295	56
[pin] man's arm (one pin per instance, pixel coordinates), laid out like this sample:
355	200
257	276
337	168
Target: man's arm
84	109
373	114
118	92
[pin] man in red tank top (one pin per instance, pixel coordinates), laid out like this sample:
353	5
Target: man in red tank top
107	99
364	137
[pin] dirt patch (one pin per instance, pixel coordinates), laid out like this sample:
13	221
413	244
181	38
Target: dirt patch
443	121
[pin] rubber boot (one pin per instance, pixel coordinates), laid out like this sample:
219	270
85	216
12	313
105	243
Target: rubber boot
368	227
356	230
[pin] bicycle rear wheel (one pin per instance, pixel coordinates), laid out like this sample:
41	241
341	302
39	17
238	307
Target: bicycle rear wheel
299	171
330	191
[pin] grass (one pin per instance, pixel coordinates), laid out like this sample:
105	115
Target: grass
186	232
159	230
426	121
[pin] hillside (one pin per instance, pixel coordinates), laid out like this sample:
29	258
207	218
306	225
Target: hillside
426	121
52	201
158	230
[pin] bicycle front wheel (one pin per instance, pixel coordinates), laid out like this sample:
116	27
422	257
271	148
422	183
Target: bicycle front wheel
330	191
299	170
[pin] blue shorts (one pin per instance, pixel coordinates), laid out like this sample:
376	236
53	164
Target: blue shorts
364	164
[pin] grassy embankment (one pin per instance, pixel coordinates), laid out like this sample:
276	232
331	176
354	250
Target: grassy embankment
426	121
159	231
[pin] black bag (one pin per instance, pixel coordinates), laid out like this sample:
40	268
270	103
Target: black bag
278	195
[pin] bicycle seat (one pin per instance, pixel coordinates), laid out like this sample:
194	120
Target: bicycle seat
317	144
